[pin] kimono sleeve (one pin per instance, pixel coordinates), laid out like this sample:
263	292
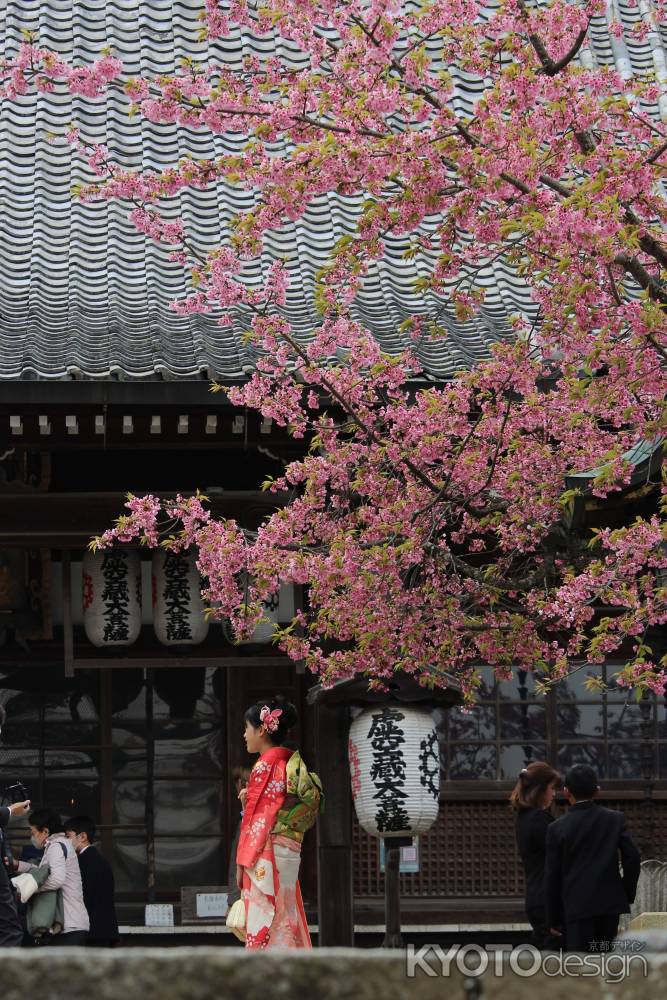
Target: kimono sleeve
266	794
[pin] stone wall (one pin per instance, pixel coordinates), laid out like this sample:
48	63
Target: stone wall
323	974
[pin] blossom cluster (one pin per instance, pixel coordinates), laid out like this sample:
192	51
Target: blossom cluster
432	525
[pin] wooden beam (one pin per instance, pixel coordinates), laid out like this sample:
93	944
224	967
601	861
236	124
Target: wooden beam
171	661
69	520
180	393
68	630
65	426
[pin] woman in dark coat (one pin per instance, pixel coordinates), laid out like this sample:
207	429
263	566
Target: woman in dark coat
531	801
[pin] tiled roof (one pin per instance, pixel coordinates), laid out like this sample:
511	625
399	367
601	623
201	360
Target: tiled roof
82	295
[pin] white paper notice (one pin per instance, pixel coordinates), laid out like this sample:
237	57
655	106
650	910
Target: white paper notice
212	904
159	915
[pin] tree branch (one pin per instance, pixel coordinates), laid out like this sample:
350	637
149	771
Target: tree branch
652	285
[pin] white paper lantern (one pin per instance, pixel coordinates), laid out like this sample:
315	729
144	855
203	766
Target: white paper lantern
278	609
395	770
178	608
111	584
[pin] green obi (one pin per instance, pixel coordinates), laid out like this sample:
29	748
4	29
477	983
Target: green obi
304	800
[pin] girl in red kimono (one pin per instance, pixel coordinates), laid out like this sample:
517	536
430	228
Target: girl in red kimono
269	850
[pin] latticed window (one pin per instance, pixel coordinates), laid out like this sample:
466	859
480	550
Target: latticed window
142	752
513	725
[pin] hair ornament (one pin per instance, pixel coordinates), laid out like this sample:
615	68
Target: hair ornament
269	719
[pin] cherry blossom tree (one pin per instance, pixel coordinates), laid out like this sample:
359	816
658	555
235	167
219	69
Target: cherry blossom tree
431	523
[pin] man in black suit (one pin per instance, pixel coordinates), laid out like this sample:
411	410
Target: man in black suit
98	883
11	929
585	889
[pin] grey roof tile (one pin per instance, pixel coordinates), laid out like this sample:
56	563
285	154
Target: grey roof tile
84	296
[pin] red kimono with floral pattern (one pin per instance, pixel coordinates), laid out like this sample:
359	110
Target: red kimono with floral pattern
274	908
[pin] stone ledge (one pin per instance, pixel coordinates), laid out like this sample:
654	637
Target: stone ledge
648	921
194	928
323	974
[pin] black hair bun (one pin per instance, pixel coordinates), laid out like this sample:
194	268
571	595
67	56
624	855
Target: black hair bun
286	720
289	716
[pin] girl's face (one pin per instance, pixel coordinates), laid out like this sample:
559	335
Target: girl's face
253	738
548	796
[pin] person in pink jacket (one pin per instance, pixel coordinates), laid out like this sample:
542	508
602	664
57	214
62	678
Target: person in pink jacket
46	829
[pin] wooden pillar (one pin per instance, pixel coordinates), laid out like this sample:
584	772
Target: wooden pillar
392	890
68	631
334	869
150	790
106	816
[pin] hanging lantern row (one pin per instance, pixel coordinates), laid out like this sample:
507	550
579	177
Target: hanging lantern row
112	600
395	770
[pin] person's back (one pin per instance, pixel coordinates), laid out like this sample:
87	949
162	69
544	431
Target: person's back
530	801
98	895
98	883
585	889
76	917
532	826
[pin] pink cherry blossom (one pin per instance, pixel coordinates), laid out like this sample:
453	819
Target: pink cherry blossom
432	525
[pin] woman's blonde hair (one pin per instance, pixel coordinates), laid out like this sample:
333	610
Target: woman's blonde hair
531	785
